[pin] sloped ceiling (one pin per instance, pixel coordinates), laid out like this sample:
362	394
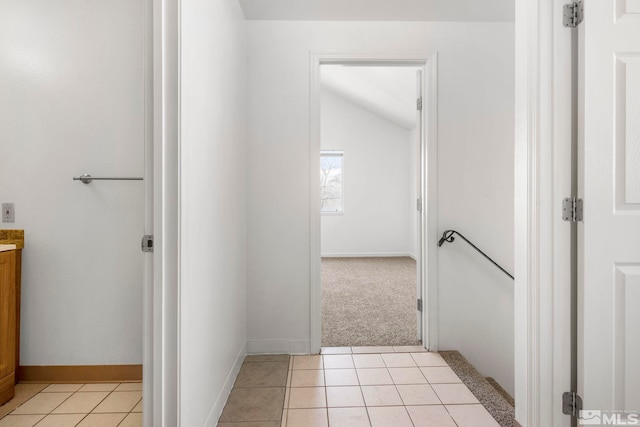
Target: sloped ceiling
380	10
389	92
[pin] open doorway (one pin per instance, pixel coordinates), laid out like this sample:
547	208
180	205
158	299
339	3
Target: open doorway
82	291
370	204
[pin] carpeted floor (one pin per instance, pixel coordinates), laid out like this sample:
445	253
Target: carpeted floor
492	396
368	302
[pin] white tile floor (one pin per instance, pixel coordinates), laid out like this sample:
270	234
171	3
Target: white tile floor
81	405
343	387
378	386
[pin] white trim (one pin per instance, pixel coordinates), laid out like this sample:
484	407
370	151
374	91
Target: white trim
430	197
278	346
148	383
526	92
166	214
216	411
367	255
429	117
541	244
315	298
558	291
525	247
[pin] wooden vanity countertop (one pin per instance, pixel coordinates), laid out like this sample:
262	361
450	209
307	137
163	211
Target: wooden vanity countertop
12	237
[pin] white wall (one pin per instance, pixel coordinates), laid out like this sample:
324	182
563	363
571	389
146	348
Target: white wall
72	102
475	177
376	181
213	194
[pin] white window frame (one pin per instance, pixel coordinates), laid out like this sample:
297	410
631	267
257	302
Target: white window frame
337	153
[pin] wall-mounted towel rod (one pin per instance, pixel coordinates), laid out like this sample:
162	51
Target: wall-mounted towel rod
86	178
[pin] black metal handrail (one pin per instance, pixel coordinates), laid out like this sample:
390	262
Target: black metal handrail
447	236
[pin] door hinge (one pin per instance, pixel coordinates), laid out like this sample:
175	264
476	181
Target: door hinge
147	243
419	304
419	104
572	209
419	205
572	14
571	403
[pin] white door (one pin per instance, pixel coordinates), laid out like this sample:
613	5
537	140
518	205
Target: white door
609	254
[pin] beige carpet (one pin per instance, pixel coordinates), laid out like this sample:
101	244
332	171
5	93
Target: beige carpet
368	302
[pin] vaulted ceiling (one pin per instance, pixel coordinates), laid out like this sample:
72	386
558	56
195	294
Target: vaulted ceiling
389	92
386	92
380	10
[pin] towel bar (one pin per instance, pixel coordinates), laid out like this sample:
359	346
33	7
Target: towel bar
86	178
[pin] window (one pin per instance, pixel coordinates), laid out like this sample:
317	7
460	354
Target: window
331	181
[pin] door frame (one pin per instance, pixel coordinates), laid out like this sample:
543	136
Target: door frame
148	264
161	377
428	188
543	129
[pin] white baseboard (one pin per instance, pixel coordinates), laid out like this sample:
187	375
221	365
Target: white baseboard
216	411
278	347
366	254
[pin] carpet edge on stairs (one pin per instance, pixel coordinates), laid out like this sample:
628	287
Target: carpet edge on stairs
497	405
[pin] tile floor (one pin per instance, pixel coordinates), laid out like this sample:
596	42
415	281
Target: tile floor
379	387
257	397
345	386
81	405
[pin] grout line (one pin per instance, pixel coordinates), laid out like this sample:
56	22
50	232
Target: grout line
408	414
363	399
50	412
450	414
73	393
105	398
366	409
129	413
326	394
38	422
401	399
287	393
326	407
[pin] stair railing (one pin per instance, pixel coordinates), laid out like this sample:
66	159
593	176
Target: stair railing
447	236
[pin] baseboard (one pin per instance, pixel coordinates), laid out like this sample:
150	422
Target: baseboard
80	373
278	347
366	255
216	411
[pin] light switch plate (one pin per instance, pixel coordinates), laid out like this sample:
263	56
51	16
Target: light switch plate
8	212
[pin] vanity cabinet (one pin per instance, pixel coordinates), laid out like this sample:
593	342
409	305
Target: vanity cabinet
8	310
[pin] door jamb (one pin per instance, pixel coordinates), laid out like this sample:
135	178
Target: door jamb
428	190
148	261
164	322
542	241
